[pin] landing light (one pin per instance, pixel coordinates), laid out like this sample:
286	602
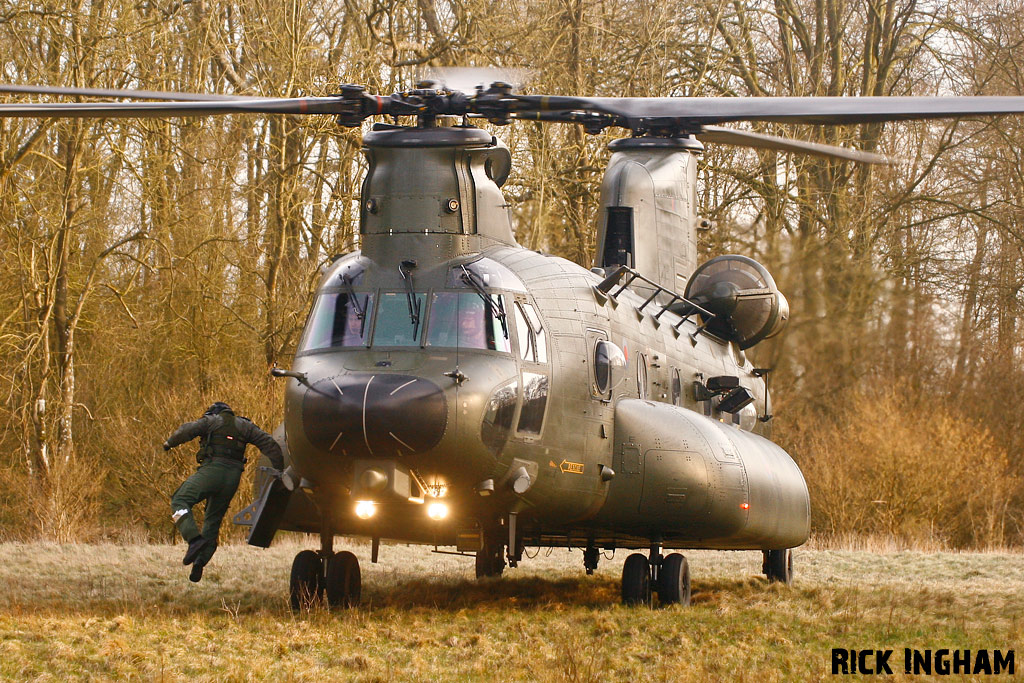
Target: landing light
744	506
365	509
437	511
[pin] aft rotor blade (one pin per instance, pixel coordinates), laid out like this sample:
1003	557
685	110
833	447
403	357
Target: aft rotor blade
697	111
114	92
744	138
294	105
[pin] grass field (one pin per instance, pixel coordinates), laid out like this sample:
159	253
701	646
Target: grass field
128	612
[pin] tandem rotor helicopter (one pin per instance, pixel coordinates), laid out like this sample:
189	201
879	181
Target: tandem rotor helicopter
454	388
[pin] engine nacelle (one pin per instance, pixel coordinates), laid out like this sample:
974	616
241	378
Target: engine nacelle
742	294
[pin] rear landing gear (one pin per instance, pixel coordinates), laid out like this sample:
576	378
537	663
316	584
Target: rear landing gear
778	565
636	580
669	577
674	581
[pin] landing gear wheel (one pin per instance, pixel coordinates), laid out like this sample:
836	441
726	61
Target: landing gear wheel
674	581
778	565
636	580
490	560
344	583
306	585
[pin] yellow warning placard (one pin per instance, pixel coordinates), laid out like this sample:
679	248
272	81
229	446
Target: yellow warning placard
571	467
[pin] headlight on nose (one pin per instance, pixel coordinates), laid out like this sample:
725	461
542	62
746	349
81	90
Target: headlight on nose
365	509
437	511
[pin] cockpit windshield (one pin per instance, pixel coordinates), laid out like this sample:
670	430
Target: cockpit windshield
397	325
338	319
464	320
471	319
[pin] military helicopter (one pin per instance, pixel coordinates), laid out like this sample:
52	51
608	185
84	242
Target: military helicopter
454	388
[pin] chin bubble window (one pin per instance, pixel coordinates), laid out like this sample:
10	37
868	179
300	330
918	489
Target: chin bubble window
498	417
467	320
338	319
535	400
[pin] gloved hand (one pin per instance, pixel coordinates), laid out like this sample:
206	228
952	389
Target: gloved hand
167	446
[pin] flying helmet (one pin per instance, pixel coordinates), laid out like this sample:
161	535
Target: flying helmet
217	408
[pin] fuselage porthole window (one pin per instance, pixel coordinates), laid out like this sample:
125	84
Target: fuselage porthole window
602	370
641	375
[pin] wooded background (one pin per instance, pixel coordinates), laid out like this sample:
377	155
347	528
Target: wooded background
149	267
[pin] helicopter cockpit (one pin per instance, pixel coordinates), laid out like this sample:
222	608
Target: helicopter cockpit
476	309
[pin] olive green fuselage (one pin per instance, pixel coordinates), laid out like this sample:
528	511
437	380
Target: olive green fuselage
618	456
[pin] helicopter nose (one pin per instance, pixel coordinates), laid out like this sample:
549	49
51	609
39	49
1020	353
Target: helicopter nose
371	415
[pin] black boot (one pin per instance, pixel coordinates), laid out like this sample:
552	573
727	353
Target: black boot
195	546
196	574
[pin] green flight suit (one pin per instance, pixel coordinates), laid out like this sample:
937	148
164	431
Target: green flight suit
223	438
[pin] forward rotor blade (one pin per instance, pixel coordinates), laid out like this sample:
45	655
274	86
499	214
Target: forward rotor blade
140	94
696	111
295	105
744	138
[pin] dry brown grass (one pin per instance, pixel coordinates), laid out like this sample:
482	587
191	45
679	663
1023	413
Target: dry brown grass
891	465
128	612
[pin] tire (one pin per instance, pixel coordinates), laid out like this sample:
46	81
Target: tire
306	584
636	580
779	566
674	580
490	561
344	583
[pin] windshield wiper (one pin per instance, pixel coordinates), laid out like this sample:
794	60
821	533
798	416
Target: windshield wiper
497	309
360	311
354	300
405	268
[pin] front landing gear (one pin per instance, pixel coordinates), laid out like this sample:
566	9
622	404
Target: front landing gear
778	565
316	573
306	585
669	577
344	584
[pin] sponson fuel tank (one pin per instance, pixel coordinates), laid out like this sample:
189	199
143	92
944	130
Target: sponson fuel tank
702	481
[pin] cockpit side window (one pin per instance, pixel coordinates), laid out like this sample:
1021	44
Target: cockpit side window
338	319
464	320
397	325
532	338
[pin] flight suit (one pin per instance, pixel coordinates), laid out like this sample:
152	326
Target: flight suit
221	456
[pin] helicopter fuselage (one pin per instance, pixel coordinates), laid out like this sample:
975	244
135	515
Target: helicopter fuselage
614	462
